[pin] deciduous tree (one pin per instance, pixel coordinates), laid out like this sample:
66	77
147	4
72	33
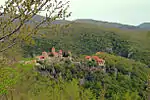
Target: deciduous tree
16	14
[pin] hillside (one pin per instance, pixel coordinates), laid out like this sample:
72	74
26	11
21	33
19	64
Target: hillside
84	38
39	18
124	75
123	79
53	58
108	24
145	26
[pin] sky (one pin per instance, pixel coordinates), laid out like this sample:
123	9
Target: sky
132	12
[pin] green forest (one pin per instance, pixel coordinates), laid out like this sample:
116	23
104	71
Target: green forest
83	38
50	58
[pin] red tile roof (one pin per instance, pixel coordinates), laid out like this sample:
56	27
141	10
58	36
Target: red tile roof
41	57
60	51
95	57
100	60
87	57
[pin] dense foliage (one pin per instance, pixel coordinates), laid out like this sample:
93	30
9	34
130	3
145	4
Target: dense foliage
90	39
124	76
124	79
29	84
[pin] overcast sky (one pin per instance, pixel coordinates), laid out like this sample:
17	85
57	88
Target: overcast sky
132	12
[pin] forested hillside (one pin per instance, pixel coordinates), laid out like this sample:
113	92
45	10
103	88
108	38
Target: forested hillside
50	58
123	79
84	38
124	76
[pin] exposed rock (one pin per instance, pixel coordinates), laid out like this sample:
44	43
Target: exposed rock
82	81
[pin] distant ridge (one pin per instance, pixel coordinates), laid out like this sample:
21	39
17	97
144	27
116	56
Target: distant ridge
143	26
108	24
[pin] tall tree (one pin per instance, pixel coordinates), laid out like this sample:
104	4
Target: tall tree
15	15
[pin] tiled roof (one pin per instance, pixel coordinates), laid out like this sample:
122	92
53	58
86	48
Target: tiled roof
95	57
87	57
60	51
41	57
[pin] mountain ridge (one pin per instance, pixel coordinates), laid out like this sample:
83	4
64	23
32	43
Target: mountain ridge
145	25
115	24
142	26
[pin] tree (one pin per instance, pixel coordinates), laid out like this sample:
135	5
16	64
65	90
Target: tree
16	14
